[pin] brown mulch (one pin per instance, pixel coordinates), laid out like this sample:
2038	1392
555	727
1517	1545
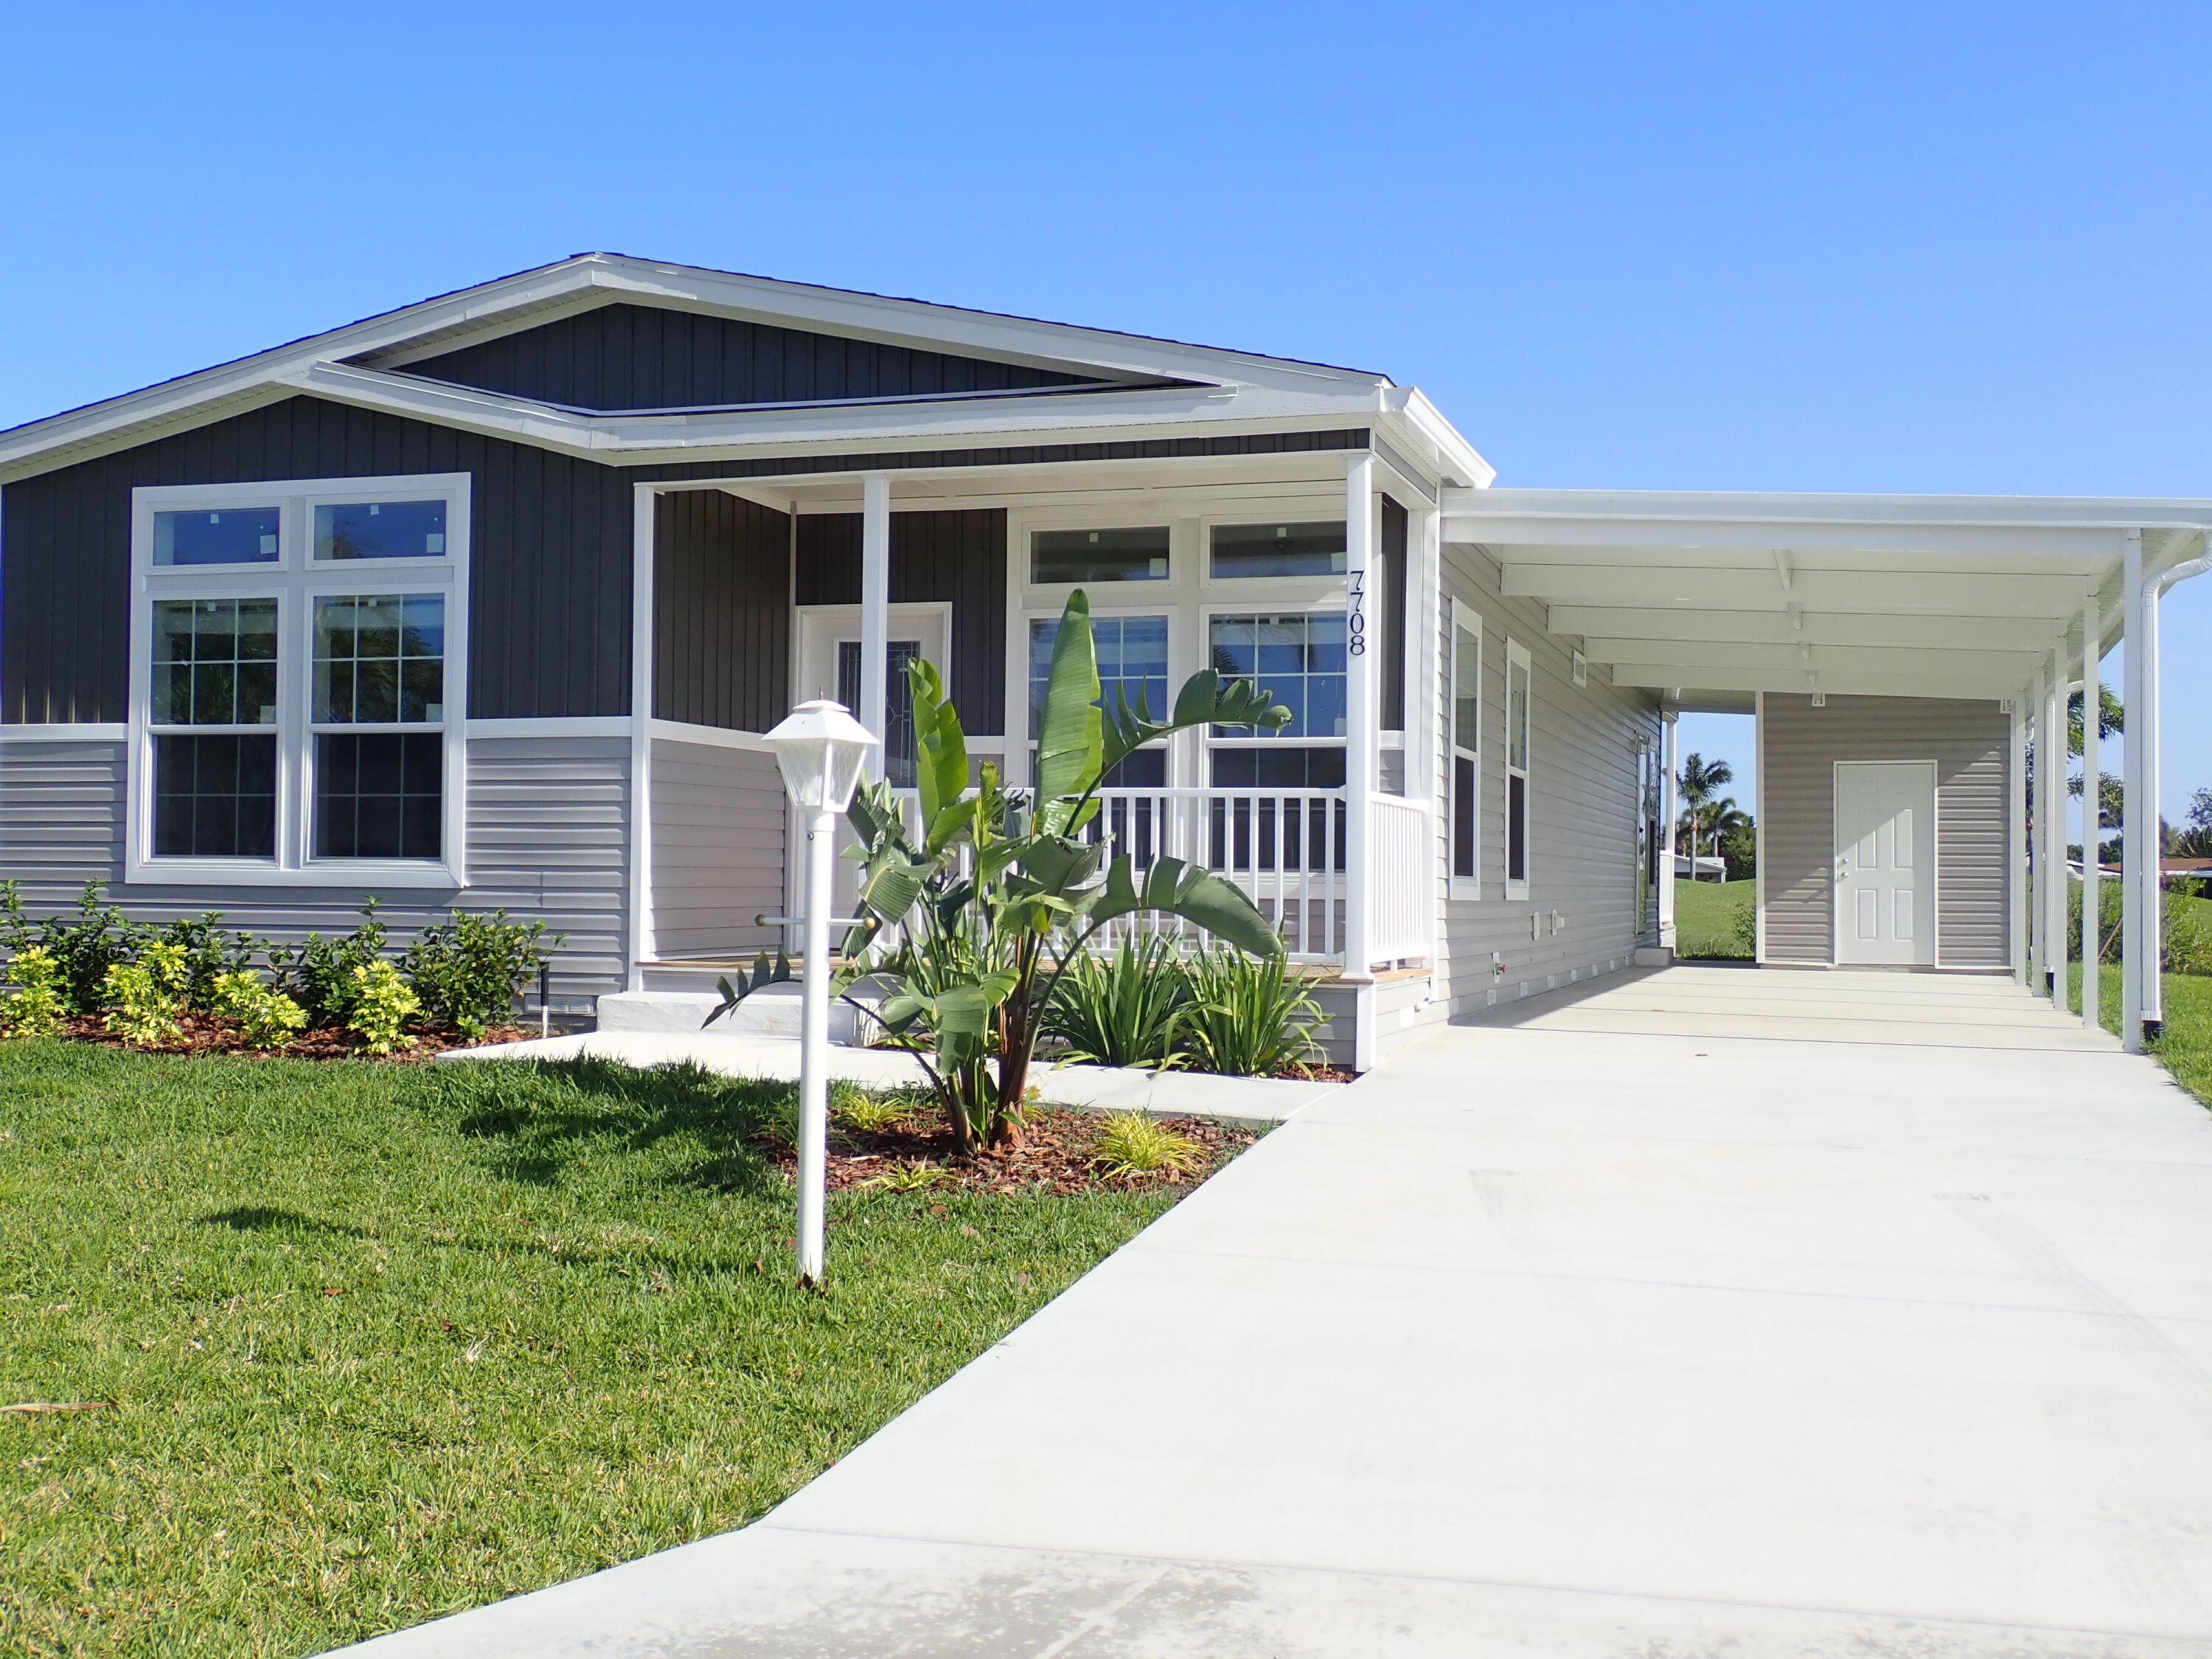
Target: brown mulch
1053	1154
1303	1073
206	1034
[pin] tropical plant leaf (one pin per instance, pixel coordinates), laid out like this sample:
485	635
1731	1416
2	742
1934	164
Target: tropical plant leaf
940	758
764	973
1205	700
893	885
1175	888
1070	748
1059	865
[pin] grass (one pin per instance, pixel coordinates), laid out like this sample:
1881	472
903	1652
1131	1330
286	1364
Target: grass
2185	1043
372	1344
1707	915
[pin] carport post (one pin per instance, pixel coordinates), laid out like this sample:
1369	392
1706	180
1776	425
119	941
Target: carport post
2092	908
2137	951
2016	835
2038	837
1673	765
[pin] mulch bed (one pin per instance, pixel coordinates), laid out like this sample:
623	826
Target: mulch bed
1053	1154
205	1035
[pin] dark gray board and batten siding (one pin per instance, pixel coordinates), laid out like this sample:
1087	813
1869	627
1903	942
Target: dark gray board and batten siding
721	612
1799	747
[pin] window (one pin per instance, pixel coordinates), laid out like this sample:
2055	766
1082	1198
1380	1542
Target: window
1517	771
1099	555
290	719
1133	664
1299	655
1278	550
902	752
1466	716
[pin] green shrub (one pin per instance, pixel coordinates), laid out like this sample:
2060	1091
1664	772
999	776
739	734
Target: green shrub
145	999
1246	1016
37	1004
466	971
210	952
319	973
380	1006
1121	1010
1746	929
854	1108
266	1018
83	947
1131	1145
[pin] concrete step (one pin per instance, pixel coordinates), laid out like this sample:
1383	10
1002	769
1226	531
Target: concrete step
773	1012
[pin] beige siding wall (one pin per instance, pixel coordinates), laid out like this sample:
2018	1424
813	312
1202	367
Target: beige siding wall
1583	778
1799	747
718	834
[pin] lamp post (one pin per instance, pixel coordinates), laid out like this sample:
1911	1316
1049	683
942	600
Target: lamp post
819	749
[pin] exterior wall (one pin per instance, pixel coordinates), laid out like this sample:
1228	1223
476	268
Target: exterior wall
1583	831
719	823
547	838
721	612
959	556
548	559
1798	748
621	355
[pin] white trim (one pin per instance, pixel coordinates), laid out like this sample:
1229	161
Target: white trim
552	726
294	579
56	732
1463	617
710	737
1517	891
1758	830
1935	862
1020	617
644	520
1363	540
2016	839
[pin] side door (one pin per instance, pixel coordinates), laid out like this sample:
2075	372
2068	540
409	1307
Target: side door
1886	863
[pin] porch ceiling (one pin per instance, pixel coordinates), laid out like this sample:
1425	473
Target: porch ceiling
1715	598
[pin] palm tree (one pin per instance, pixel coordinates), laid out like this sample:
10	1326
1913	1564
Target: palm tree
1700	782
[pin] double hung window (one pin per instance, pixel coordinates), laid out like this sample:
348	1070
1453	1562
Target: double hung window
1517	697
296	658
1466	730
1133	666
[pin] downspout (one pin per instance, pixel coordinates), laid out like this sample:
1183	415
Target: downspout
2146	718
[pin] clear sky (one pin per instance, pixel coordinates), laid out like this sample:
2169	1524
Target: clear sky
1880	247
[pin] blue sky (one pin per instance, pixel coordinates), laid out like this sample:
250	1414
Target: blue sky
1960	247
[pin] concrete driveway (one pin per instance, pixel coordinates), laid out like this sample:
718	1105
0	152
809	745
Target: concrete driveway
1833	1328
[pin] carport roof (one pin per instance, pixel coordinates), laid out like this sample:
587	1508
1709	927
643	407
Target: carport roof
1714	598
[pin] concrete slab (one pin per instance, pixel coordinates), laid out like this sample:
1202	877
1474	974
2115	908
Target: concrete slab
1589	1343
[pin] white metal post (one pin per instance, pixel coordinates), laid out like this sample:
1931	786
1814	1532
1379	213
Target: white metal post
2053	846
814	1045
2093	922
1362	710
1669	788
2148	715
2016	835
1424	714
875	611
2039	816
645	503
2141	812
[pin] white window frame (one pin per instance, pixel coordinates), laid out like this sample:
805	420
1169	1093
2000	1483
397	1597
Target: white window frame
1463	617
294	579
1516	655
1020	739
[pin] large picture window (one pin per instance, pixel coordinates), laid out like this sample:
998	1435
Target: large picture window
1133	664
1465	715
291	665
1517	720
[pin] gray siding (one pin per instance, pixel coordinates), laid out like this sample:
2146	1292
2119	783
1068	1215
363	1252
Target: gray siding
719	823
1799	747
547	838
549	565
721	612
1583	793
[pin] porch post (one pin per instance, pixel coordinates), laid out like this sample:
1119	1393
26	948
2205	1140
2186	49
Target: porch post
2054	824
875	612
1671	765
2039	849
645	503
2092	922
2138	851
2016	833
1361	710
1424	715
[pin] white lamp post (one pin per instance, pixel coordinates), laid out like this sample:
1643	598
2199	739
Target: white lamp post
819	749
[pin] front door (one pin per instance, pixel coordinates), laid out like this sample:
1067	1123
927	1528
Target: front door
1886	864
830	666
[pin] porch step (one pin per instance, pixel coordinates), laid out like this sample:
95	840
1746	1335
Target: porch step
774	1012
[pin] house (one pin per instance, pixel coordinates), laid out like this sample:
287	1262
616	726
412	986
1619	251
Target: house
486	601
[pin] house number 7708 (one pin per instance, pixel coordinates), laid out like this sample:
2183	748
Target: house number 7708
1355	615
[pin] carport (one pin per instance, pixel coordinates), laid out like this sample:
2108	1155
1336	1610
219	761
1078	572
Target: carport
1909	659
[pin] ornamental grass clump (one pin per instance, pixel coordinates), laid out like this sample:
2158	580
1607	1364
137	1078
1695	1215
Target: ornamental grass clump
36	1006
1131	1147
1247	1016
1121	1009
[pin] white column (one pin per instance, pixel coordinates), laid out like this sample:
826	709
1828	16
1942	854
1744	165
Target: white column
814	1045
2053	847
1670	766
2038	850
1424	714
2016	836
2093	630
645	503
1362	709
875	611
2138	849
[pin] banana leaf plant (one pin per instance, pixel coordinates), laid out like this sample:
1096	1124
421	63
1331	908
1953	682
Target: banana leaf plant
971	916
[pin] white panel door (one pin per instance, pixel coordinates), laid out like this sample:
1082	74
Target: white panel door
1886	863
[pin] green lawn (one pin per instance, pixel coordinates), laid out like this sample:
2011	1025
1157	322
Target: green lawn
1708	917
379	1343
2186	1045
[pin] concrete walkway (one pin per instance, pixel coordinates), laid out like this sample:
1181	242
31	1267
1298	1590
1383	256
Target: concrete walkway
1560	1339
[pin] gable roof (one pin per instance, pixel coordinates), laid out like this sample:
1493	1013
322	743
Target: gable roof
443	360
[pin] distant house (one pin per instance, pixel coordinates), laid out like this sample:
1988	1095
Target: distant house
486	601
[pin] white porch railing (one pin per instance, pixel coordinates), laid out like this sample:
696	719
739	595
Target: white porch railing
1401	889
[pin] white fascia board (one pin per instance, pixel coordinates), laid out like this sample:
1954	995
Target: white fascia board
1775	627
1102	416
2005	593
1661	677
1693	656
1850	535
1419	427
1782	507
